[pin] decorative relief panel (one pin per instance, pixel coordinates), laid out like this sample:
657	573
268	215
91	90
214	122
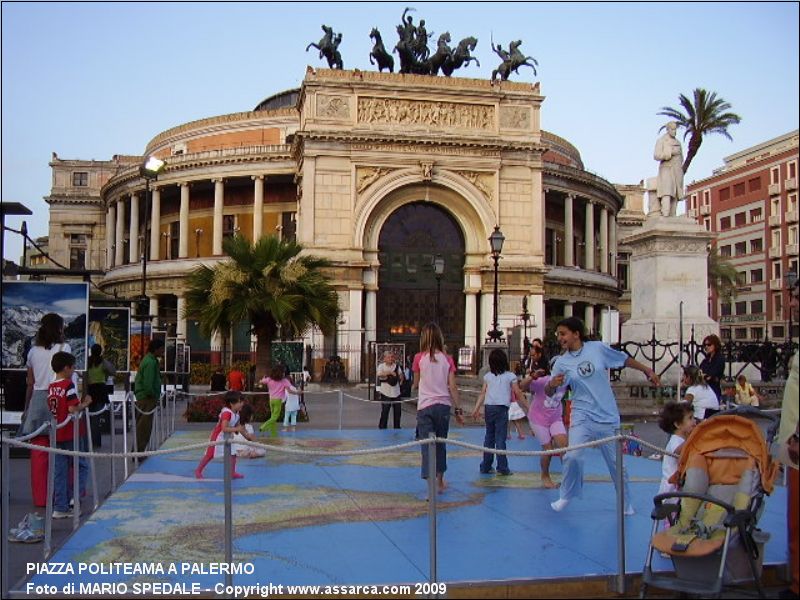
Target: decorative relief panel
509	305
366	176
483	181
392	111
333	107
515	117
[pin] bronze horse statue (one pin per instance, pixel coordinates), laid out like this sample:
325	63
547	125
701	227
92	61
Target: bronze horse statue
512	60
460	56
379	53
328	47
442	55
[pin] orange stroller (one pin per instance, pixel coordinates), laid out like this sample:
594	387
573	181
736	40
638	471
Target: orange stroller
712	537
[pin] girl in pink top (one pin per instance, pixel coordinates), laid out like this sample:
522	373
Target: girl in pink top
435	376
277	385
545	418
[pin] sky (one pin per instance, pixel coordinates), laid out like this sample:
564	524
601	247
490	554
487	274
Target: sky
91	80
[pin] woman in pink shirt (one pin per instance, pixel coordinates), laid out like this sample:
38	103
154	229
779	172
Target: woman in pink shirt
277	384
435	376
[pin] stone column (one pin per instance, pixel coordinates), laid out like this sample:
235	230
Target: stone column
603	240
589	236
155	224
370	318
219	203
569	233
588	317
258	207
354	336
470	319
133	230
180	329
612	245
183	227
111	218
120	236
154	310
569	308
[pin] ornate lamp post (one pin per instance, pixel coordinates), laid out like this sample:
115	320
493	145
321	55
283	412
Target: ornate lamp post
150	169
438	270
525	316
496	243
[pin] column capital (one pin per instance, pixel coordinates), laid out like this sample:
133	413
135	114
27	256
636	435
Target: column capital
183	184
218	180
261	177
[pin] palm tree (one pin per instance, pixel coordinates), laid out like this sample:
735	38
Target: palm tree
268	284
707	114
722	275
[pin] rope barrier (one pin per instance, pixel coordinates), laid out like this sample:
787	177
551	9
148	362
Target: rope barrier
44	427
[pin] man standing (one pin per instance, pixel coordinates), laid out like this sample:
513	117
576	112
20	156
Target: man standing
670	170
147	388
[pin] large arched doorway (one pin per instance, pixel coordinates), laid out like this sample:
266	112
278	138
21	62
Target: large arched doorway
407	288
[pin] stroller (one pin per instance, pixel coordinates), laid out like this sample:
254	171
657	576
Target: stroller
711	533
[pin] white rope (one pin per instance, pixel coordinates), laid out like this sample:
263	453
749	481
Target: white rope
381	400
42	428
99	412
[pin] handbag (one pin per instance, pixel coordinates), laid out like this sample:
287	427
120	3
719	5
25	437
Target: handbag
392	379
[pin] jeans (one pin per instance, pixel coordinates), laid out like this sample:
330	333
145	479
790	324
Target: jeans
434	419
496	428
62	481
580	433
290	415
395	406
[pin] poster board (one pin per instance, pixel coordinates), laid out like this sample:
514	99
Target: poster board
111	328
24	305
140	338
170	354
180	356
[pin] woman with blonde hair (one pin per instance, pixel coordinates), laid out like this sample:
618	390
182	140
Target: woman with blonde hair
435	377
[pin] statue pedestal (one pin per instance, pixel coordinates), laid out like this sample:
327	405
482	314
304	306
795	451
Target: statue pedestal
669	265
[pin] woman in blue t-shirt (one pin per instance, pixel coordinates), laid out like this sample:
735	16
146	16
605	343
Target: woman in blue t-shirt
584	367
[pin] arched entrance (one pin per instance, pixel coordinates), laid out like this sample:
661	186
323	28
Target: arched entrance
407	288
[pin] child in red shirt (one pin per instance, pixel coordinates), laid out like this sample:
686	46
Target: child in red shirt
63	400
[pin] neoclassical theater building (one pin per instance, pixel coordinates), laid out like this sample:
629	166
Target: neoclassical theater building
378	173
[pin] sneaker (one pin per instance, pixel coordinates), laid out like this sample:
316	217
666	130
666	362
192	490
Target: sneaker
559	504
505	473
489	471
24	536
629	510
62	514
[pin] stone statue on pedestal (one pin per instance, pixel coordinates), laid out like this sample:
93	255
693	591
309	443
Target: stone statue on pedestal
670	170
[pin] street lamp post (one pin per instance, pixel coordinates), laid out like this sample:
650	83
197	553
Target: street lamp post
496	243
438	270
525	316
149	169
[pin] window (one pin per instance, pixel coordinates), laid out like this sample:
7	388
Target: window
725	250
229	227
756	276
792	170
775	207
725	309
791	202
725	334
740	333
777	306
741	278
724	194
776	270
756	216
622	275
706	197
174	238
738	189
756	333
756	307
793	234
289	226
776	238
740	219
707	223
77	251
774	175
741	307
754	184
740	248
777	331
80	179
724	223
757	245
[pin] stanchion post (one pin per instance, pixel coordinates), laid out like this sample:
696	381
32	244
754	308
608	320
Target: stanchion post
620	485
433	575
341	408
6	491
90	446
228	471
135	437
51	473
111	419
76	492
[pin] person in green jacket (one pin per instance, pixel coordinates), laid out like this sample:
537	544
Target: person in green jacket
147	388
98	370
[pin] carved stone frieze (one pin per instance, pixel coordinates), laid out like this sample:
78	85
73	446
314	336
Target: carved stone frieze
333	107
442	115
671	246
422	149
508	304
515	117
483	181
366	176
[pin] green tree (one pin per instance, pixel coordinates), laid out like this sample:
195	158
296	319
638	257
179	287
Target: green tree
271	285
706	114
721	275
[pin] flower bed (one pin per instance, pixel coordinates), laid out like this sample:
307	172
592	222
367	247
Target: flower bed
206	408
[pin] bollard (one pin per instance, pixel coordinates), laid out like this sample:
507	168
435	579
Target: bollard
433	576
341	407
5	464
228	471
620	485
51	473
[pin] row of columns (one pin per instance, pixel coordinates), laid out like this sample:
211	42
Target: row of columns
608	237
115	222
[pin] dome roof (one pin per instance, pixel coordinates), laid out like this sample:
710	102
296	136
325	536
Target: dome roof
286	99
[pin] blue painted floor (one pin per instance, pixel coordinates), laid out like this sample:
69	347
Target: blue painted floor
363	519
